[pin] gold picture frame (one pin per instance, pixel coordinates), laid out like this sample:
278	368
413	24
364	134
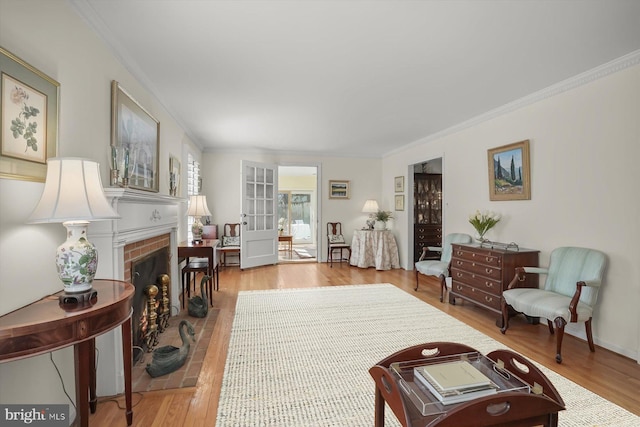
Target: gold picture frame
134	129
399	199
398	184
339	189
509	172
29	102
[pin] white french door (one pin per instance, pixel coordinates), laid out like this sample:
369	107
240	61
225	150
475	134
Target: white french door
259	236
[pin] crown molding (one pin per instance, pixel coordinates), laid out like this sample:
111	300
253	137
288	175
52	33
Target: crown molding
587	77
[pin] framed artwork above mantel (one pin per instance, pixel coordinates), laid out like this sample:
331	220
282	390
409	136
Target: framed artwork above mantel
135	131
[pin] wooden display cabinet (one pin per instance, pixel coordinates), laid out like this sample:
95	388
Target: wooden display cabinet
427	219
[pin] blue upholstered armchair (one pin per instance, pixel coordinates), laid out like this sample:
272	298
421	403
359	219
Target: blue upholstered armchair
570	292
439	268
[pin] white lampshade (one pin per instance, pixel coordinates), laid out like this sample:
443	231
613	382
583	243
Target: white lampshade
73	195
370	206
72	192
198	206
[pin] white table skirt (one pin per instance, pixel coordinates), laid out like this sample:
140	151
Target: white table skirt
374	248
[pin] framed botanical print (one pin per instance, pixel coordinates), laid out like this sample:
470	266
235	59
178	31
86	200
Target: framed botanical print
137	133
398	184
28	119
509	175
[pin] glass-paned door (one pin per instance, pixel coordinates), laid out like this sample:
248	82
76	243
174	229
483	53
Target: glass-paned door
259	235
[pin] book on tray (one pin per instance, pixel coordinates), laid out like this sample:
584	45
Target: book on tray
454	382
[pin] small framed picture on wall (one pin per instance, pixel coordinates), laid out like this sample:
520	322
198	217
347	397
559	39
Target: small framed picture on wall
399	184
339	189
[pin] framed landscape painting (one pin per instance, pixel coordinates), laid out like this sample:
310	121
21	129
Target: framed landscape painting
509	174
136	132
28	119
339	189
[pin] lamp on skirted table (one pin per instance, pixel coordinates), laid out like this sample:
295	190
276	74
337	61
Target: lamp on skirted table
73	195
370	207
197	208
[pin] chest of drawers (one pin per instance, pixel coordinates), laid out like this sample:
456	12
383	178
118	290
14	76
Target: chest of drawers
479	275
427	235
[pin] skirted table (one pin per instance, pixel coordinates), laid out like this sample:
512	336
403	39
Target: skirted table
374	248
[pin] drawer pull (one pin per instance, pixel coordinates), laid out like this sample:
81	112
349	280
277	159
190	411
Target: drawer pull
458	287
458	274
488	284
488	270
458	262
488	299
489	259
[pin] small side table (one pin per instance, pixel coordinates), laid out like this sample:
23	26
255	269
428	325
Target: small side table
512	407
44	326
286	239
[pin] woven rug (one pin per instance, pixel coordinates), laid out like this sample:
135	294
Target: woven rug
300	357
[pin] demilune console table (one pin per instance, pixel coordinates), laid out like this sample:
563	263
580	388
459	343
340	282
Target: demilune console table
44	326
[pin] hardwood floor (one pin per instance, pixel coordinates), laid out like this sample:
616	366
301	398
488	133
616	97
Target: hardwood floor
610	375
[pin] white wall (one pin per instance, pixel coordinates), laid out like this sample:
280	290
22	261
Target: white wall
585	145
222	180
51	37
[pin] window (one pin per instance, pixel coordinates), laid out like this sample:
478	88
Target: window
194	184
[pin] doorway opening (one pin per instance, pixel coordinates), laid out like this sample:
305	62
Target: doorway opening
427	207
297	214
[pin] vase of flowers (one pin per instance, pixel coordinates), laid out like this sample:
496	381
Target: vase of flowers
483	222
381	218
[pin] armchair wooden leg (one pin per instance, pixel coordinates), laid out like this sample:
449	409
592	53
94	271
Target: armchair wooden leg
550	324
417	278
559	322
587	326
505	316
443	287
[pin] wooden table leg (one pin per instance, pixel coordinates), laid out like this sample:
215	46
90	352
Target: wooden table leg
93	401
379	414
82	353
128	360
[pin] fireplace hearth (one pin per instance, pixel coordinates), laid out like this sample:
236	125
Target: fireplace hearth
151	308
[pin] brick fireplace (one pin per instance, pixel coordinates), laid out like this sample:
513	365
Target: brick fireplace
148	221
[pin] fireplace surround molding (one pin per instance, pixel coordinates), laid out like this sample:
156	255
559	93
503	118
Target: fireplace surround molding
143	215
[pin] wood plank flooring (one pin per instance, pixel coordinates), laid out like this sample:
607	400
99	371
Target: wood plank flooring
610	375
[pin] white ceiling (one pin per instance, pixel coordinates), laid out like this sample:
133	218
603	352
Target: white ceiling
352	77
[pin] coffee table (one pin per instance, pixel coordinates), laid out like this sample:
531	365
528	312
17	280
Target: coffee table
525	396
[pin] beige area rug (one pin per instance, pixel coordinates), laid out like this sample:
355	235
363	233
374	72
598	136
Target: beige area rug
187	375
300	357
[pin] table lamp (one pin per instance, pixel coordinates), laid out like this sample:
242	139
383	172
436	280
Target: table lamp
197	208
73	195
370	207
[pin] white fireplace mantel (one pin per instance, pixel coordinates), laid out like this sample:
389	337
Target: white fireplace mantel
143	215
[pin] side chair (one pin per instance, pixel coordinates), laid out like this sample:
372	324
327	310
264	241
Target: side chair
335	241
439	268
230	242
